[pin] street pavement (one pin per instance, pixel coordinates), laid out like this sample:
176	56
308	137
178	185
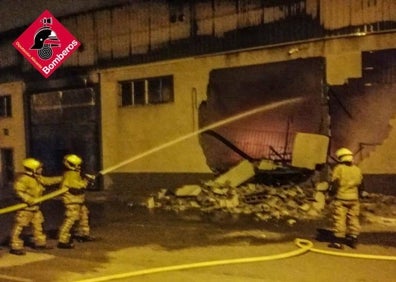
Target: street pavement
138	244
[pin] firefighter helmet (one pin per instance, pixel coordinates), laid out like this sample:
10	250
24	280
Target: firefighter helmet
344	155
31	164
72	161
41	36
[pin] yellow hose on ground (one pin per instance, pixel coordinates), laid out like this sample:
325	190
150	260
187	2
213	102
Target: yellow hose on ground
46	197
300	251
303	244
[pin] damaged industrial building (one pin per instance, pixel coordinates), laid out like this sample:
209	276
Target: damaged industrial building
215	105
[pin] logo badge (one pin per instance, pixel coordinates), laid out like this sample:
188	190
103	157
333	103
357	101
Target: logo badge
46	44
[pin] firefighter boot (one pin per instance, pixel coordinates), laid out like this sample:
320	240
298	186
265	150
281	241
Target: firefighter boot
336	243
351	241
18	252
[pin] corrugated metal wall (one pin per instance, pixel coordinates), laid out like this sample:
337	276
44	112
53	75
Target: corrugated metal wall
155	30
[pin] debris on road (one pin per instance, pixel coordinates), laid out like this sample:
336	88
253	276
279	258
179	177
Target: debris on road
290	202
269	189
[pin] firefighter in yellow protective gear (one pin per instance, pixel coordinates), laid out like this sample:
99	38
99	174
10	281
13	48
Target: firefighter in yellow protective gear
347	182
74	200
28	188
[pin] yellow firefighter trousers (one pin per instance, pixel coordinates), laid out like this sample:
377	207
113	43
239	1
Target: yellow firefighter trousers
346	218
75	213
23	219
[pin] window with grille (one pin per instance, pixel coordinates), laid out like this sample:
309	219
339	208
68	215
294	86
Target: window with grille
154	90
5	106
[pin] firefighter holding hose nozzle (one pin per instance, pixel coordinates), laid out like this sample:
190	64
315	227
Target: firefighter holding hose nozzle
29	187
74	200
347	183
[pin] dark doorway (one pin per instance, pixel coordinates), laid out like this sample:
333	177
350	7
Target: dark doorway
7	171
7	166
64	122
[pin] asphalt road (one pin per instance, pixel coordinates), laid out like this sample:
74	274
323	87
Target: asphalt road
137	244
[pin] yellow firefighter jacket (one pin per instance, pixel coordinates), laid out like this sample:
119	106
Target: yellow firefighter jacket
76	186
348	178
30	187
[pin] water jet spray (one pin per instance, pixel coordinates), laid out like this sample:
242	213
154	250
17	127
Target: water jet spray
209	127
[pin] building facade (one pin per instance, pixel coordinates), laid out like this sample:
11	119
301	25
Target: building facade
153	77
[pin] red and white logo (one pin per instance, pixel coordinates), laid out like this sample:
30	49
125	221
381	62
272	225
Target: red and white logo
46	44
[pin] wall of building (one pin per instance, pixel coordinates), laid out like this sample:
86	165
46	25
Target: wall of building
383	159
122	32
162	139
125	139
379	166
153	131
15	139
134	136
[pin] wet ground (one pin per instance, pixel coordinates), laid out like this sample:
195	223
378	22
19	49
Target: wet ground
132	238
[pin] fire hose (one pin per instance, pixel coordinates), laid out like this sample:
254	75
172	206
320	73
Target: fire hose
46	197
304	246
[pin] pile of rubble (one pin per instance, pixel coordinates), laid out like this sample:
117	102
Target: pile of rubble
261	201
231	194
264	203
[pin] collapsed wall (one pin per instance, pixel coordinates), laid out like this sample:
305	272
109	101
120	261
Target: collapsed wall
232	193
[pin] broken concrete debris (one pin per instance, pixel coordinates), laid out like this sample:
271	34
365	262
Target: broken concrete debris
264	203
274	203
237	175
232	193
188	190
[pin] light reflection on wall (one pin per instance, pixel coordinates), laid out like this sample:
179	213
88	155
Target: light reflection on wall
235	90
